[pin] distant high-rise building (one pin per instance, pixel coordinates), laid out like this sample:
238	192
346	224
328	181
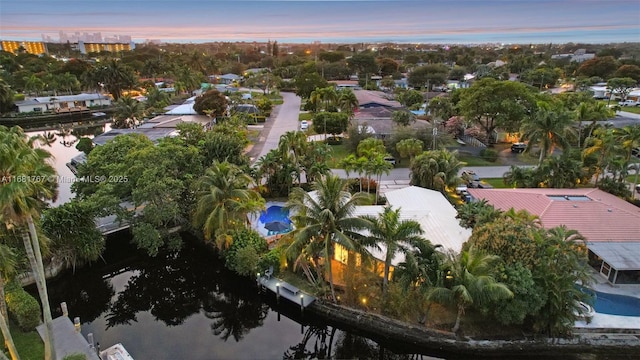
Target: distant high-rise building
32	47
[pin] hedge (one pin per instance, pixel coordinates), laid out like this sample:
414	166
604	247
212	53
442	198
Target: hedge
23	307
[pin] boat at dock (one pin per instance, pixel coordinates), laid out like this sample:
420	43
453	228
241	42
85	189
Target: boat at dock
115	352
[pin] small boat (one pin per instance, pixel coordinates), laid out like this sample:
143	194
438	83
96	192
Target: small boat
98	113
115	352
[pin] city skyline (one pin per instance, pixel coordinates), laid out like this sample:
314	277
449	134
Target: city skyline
192	21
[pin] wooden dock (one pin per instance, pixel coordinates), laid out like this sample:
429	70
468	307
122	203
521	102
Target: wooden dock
283	289
67	340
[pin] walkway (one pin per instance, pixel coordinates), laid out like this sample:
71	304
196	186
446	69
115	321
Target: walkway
67	340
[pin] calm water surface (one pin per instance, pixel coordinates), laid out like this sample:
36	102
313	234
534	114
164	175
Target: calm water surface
187	306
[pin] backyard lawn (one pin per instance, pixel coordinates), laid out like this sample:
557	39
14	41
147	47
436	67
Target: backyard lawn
338	152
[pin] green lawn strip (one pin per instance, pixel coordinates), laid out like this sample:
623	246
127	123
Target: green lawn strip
29	344
471	160
631	109
338	152
305	116
496	183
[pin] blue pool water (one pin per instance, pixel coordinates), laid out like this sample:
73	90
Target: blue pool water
275	213
613	304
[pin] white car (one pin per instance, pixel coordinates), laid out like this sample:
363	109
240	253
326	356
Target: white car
629	103
304	125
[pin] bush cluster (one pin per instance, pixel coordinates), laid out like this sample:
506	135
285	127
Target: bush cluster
23	307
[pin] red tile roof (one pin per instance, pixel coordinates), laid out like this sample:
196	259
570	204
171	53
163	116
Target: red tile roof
599	217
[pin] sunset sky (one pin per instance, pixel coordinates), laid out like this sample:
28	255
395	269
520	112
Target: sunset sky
426	21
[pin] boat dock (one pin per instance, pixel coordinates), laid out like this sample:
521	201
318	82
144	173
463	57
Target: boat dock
68	340
283	289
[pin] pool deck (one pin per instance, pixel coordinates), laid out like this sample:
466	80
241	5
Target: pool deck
606	321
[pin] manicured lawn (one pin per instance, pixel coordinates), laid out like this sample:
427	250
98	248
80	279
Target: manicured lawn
631	109
495	182
305	116
28	344
338	152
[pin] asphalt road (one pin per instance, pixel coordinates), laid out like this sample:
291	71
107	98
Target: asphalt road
285	119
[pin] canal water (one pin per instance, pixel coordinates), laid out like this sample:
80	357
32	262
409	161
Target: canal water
186	305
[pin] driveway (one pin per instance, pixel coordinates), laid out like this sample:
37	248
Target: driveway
284	118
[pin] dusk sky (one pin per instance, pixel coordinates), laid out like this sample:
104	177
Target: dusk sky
425	21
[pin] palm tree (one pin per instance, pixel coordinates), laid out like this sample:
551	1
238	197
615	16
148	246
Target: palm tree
7	268
565	266
469	282
323	217
394	234
224	201
347	101
409	148
630	139
127	112
605	144
436	170
548	129
379	166
21	200
33	84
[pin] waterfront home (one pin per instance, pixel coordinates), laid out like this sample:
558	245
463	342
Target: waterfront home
62	103
610	225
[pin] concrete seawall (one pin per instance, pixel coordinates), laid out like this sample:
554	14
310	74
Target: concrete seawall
446	344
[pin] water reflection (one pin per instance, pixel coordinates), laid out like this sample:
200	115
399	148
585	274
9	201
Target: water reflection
61	144
186	305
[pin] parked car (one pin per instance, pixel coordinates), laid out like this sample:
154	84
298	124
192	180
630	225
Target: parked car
304	125
518	147
629	103
470	178
391	160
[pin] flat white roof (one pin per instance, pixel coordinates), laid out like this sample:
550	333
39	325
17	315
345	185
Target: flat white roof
434	213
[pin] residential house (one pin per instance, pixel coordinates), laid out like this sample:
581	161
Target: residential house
610	225
63	103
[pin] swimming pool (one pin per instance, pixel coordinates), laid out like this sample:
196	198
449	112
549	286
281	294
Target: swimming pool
614	304
275	213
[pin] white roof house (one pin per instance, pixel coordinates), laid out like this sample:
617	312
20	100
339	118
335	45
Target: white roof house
434	213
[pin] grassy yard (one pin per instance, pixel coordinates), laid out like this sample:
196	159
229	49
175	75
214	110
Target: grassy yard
631	109
338	152
496	183
305	116
28	344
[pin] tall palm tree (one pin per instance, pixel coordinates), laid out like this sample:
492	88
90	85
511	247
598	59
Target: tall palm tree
22	200
224	201
565	265
7	268
127	112
548	129
469	282
394	234
605	144
630	139
323	217
347	101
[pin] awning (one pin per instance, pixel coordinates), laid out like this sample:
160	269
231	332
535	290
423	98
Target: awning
621	255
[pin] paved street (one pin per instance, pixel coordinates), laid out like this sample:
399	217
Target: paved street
285	118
